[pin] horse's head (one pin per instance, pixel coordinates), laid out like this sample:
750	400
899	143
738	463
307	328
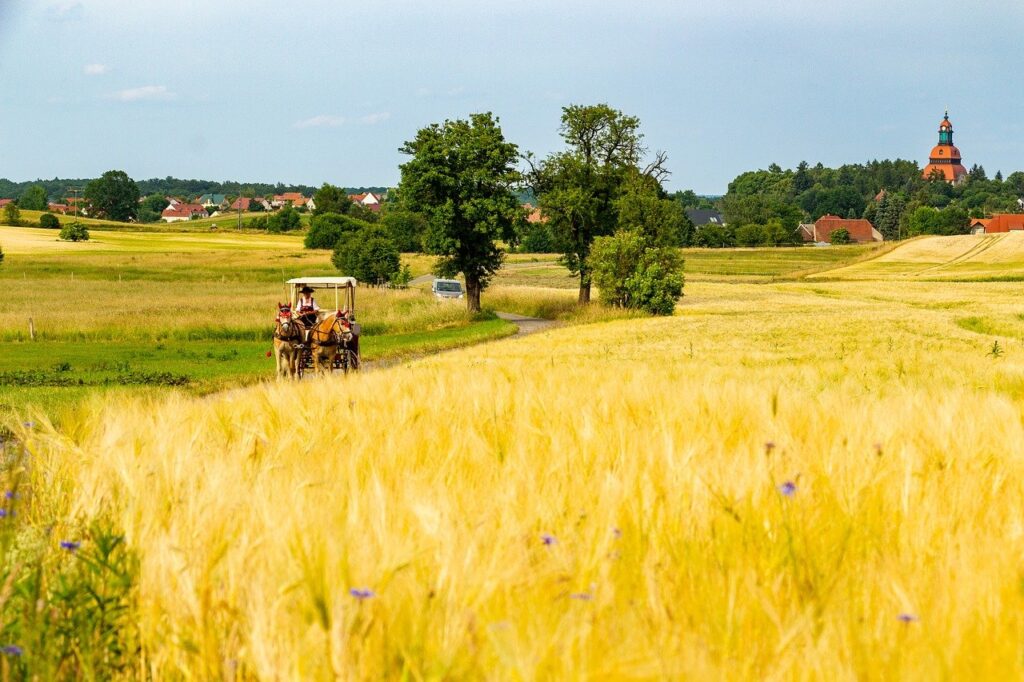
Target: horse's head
284	319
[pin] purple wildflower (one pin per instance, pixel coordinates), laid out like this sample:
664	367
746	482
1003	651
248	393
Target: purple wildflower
788	488
907	618
29	425
362	593
9	495
548	539
12	650
3	513
70	545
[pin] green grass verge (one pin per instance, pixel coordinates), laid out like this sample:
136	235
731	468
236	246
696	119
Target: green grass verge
53	377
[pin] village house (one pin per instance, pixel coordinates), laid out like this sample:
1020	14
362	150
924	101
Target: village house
860	230
214	201
179	212
246	204
54	207
368	200
4	202
533	214
294	199
978	225
701	217
1002	222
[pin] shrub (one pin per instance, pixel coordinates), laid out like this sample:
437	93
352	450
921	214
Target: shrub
12	214
750	235
285	220
630	274
49	221
259	223
840	236
537	239
714	237
657	283
1	255
369	255
406	229
74	232
327	228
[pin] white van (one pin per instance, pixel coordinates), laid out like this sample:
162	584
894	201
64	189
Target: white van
447	288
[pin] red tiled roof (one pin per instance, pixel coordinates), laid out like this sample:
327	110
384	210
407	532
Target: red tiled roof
1005	222
183	211
241	203
4	202
294	197
860	229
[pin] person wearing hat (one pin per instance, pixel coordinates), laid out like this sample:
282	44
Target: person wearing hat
307	308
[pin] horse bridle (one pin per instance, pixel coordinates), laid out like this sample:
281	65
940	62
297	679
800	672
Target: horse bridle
293	325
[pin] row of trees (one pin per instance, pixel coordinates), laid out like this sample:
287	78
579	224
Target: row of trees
460	199
893	195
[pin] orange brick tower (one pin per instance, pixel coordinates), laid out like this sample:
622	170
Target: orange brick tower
945	157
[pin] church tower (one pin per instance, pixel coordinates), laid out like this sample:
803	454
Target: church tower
945	157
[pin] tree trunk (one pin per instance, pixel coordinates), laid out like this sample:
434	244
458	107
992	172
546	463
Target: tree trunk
584	289
472	294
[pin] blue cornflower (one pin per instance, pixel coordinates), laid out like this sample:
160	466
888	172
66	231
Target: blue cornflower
361	593
907	618
10	495
3	513
12	650
548	539
70	545
788	488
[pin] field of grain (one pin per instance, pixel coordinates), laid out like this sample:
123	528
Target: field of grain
797	480
183	310
983	257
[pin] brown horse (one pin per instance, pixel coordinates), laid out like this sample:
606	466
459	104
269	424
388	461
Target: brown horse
331	336
287	337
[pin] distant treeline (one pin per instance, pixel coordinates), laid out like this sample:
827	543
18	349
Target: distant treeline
764	207
60	188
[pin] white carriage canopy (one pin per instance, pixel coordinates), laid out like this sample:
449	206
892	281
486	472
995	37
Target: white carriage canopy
344	290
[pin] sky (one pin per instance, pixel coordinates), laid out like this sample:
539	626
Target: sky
327	91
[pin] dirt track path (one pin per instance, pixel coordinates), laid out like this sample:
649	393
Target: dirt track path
527	325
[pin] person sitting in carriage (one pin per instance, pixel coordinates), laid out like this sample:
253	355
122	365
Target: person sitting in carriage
307	310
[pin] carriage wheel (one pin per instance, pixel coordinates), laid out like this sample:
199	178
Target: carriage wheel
351	361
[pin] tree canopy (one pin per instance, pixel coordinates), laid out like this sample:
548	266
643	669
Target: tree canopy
461	177
114	196
579	187
34	199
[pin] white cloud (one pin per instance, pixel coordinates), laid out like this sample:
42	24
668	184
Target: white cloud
321	121
145	93
375	118
95	69
65	11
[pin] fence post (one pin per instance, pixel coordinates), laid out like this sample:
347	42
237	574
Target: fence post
31	329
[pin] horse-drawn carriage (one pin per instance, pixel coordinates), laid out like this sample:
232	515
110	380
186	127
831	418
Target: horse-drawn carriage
317	337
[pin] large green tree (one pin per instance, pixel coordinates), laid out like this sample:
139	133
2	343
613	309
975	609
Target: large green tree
331	199
113	196
34	199
461	177
578	188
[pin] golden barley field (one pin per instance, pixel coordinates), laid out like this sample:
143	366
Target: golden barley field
801	480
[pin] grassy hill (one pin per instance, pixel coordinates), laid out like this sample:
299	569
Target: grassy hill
991	257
